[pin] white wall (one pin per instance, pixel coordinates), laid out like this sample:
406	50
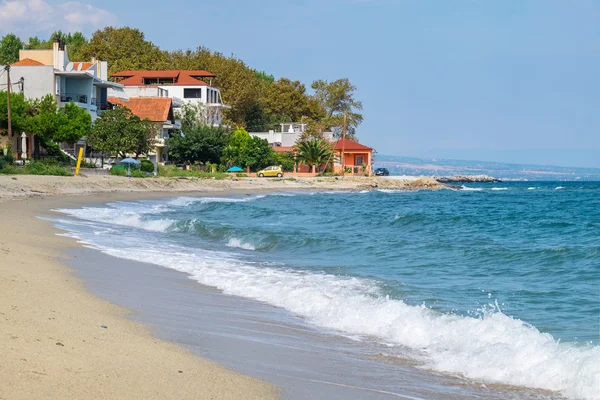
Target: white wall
39	80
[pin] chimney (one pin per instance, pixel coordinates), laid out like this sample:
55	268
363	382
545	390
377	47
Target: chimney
55	51
94	58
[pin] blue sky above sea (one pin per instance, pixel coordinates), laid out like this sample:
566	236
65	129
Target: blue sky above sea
511	81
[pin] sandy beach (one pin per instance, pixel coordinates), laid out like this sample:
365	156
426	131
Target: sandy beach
58	342
21	186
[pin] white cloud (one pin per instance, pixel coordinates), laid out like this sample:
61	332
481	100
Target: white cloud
38	17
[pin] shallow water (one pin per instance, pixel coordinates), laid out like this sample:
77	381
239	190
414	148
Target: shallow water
499	283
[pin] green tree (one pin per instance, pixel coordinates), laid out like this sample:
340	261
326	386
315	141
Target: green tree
337	98
124	49
49	124
286	101
118	133
74	123
9	49
202	144
314	152
244	150
20	113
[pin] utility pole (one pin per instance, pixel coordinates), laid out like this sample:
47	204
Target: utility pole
7	69
344	146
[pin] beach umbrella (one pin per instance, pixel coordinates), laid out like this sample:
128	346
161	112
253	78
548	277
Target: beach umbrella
235	169
23	146
130	162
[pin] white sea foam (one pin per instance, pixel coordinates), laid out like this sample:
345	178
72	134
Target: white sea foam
495	348
120	216
499	188
531	188
469	189
235	242
559	188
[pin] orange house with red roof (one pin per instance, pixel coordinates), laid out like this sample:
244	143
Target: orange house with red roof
349	158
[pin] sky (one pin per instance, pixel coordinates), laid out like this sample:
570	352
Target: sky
511	80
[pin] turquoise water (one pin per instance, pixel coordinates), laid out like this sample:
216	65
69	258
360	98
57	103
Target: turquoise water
498	282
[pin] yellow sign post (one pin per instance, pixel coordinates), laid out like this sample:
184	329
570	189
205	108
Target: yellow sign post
79	161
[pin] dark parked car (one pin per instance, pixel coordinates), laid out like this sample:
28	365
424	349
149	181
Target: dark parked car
381	172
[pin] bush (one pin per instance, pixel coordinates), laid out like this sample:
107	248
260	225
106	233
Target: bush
42	168
6	160
118	170
171	171
147	166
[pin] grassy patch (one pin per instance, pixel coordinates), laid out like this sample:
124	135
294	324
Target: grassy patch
171	171
35	168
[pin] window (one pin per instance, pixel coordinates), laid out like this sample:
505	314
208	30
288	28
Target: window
192	93
358	160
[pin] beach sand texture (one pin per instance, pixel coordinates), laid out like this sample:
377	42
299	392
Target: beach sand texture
59	342
19	186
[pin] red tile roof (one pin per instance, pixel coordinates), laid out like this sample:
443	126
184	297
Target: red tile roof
182	78
84	65
27	62
156	109
350	145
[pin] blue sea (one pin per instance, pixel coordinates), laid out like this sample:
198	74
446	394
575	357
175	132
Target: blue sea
498	283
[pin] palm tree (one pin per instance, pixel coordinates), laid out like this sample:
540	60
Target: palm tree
314	152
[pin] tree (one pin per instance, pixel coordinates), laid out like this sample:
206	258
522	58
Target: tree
124	49
9	49
314	152
74	123
118	132
244	150
337	98
287	101
202	144
20	112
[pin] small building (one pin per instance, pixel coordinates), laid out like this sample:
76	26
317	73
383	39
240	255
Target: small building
352	156
183	86
159	110
357	158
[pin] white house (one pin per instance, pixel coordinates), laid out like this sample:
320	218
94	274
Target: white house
42	72
288	136
182	86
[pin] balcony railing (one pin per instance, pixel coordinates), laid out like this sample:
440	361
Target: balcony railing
75	97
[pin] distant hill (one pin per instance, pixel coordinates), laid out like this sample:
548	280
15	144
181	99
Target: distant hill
441	167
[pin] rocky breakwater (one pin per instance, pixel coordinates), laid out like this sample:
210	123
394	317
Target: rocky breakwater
466	179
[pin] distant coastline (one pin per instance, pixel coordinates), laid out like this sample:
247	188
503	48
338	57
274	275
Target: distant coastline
399	165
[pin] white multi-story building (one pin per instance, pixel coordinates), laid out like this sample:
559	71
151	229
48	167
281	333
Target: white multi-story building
50	72
182	86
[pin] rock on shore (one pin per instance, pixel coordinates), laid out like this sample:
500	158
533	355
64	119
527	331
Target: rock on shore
466	179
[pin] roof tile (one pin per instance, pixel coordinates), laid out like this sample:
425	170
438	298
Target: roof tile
27	62
156	109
